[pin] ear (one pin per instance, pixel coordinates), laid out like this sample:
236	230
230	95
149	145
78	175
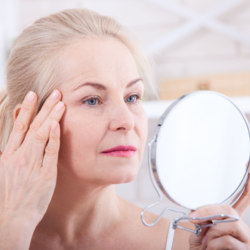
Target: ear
16	111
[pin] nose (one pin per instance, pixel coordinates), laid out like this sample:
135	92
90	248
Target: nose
121	118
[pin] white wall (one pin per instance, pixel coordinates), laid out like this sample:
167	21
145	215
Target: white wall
9	22
201	52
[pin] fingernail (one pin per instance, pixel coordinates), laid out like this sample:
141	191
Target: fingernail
204	240
54	94
194	214
54	125
59	106
30	96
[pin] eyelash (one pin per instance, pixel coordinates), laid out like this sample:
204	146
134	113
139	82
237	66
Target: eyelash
98	99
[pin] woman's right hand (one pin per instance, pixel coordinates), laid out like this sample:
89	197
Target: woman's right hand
28	165
230	235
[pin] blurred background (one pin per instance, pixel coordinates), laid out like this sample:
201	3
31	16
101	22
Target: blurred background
195	45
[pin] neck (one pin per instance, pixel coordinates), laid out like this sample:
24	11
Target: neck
78	209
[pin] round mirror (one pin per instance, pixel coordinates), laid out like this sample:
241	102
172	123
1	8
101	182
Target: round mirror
200	153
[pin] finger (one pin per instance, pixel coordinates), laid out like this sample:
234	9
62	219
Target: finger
243	203
42	135
220	209
51	152
196	241
44	112
226	242
236	229
22	123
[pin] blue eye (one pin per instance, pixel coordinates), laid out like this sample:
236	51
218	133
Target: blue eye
132	98
92	101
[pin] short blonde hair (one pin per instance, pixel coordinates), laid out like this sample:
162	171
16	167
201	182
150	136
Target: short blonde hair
33	61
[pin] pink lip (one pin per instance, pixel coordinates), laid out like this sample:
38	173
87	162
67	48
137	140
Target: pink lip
121	151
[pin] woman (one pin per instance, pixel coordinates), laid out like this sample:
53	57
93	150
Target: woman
82	70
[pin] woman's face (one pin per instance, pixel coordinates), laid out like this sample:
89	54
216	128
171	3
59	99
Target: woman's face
103	111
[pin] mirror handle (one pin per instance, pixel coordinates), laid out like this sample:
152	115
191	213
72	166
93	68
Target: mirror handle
158	192
208	218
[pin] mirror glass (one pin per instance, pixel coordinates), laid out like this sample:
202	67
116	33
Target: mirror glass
202	150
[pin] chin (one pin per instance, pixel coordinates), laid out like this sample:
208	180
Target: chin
123	176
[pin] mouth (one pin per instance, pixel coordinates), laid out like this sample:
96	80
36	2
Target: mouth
120	151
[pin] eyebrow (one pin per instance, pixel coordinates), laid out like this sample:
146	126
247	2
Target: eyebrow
102	87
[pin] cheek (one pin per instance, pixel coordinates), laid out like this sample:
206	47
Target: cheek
142	128
80	137
143	121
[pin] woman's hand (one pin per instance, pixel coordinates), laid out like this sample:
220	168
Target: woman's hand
28	165
229	235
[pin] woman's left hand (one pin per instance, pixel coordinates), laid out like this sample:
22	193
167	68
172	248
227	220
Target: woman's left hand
228	235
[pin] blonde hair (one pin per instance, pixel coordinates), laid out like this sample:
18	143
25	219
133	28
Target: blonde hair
33	61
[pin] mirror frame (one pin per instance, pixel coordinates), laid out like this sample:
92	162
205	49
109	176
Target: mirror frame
233	198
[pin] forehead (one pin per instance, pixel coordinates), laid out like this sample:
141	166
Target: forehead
105	59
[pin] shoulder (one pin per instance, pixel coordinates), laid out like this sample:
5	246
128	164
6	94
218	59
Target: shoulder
154	237
133	211
181	237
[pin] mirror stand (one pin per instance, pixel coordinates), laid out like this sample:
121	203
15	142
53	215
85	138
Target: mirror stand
184	217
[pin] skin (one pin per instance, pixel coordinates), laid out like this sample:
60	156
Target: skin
85	212
86	177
